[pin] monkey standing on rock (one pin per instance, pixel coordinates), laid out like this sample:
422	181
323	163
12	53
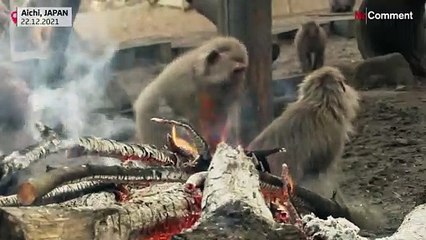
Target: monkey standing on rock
310	41
314	128
198	87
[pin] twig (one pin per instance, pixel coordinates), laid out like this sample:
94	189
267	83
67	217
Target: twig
261	155
202	146
35	188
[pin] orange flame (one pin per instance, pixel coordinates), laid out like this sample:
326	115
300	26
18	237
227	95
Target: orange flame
286	178
290	185
182	143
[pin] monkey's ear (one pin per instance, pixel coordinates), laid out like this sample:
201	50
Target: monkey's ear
212	57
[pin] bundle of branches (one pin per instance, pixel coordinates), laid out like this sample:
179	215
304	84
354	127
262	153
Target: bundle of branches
233	184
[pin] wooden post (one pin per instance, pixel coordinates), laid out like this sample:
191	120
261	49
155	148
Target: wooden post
58	41
251	22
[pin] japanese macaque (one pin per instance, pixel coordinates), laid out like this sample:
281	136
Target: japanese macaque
342	5
198	87
314	128
310	41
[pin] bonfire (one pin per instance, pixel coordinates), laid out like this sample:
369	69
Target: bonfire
181	191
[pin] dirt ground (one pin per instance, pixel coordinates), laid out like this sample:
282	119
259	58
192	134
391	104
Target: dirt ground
384	165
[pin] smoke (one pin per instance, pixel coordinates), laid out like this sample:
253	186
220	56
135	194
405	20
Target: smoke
73	105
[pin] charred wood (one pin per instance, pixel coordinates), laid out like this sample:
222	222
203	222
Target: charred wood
126	151
35	188
118	221
201	144
62	193
23	158
12	165
307	201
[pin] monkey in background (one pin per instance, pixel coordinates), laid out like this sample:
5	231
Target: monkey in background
314	128
341	5
198	87
310	41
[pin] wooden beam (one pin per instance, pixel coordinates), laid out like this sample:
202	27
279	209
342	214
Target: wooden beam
251	22
58	41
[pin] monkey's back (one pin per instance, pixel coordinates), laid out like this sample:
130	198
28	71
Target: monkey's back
311	135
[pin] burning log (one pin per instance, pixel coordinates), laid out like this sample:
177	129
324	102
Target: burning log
201	144
233	207
21	159
35	188
62	193
12	164
307	201
138	218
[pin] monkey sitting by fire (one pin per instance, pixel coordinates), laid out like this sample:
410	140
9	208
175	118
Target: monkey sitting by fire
314	128
310	42
198	87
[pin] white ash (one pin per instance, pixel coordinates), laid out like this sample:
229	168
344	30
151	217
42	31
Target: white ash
330	229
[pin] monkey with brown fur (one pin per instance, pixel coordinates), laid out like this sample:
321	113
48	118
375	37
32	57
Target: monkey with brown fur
310	41
314	128
341	5
198	87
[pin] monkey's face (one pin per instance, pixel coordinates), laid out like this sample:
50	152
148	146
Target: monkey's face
224	71
311	29
222	65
